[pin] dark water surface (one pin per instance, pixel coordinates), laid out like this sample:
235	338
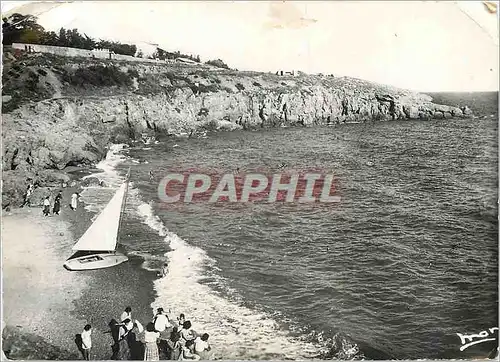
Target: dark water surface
407	259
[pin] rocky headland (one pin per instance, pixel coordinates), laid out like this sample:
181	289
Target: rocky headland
61	113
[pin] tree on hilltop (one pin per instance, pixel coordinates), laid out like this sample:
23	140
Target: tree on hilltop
21	28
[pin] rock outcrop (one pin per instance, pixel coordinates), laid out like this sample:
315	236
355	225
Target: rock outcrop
70	120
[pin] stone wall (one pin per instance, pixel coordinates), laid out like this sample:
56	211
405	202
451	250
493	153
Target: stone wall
75	52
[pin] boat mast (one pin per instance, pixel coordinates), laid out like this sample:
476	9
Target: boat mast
123	205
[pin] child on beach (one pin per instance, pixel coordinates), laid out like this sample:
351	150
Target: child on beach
181	319
187	333
188	352
74	201
86	342
127	314
201	344
46	206
150	339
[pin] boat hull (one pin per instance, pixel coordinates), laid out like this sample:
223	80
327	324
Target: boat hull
95	261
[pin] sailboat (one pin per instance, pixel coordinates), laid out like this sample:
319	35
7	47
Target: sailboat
96	249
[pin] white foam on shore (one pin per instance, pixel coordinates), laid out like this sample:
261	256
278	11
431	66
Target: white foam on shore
108	166
95	197
150	219
236	332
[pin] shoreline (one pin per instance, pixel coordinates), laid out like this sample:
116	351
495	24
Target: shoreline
109	290
48	315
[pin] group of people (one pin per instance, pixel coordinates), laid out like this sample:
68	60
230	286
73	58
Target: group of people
163	337
56	208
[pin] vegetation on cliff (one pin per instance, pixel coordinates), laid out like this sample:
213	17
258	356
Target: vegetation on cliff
19	28
63	112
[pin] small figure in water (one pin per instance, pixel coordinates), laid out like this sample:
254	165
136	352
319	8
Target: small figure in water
151	176
57	204
163	272
46	206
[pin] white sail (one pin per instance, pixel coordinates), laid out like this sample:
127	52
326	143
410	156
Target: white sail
102	234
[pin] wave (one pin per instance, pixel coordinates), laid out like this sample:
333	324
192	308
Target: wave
150	219
95	198
236	332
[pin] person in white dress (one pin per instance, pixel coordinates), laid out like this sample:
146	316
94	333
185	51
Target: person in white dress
151	347
74	201
46	206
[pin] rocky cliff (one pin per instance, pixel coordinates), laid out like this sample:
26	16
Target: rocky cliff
60	112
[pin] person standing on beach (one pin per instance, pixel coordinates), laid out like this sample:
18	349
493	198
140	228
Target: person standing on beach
161	321
174	346
74	201
134	343
164	327
29	191
86	342
127	314
46	206
57	204
123	350
150	339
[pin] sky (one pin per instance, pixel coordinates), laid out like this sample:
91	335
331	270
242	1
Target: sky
424	46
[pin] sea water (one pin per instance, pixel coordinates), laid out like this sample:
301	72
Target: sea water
403	263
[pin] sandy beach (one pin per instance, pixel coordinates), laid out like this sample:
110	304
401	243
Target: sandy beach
37	291
44	305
